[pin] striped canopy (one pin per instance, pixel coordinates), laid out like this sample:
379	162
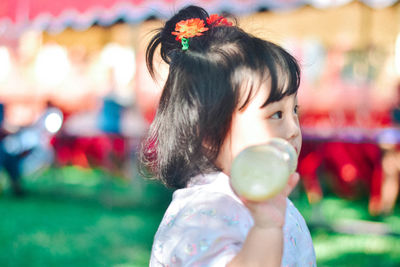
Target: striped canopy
55	15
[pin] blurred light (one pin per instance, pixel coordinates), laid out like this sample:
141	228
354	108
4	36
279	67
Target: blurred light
349	173
53	122
5	63
397	55
328	3
52	65
121	60
29	44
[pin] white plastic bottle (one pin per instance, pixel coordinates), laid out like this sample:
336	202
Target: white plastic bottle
260	172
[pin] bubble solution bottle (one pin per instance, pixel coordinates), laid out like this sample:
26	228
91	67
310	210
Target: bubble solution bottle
262	171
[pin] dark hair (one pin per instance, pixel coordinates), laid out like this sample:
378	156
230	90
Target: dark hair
202	91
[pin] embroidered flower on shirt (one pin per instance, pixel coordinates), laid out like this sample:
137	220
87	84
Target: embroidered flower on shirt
191	249
204	244
170	220
231	220
293	241
209	212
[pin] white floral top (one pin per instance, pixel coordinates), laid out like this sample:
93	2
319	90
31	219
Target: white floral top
206	225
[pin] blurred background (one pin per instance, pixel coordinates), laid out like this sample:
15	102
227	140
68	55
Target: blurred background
76	99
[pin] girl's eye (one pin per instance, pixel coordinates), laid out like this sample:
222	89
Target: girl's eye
296	110
277	115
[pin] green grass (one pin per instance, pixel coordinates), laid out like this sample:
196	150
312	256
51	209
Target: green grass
345	234
80	219
76	217
356	250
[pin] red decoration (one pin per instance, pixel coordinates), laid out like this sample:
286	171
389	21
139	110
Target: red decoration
217	20
189	28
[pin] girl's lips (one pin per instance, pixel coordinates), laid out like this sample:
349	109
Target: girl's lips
296	148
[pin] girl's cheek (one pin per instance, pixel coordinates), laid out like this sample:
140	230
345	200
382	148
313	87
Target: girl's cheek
274	129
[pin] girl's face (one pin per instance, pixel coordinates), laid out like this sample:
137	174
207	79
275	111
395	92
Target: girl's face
254	125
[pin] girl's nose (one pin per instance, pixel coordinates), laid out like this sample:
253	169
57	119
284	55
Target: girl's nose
293	128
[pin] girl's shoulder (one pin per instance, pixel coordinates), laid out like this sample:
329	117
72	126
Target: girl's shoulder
208	194
204	185
203	219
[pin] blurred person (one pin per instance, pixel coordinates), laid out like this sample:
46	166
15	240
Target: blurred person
109	120
396	109
8	161
226	90
28	149
390	145
111	152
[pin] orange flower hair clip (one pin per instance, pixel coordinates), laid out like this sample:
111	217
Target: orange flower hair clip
185	29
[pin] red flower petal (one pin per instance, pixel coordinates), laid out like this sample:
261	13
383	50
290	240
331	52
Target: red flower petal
217	20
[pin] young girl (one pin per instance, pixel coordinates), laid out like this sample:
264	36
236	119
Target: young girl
226	90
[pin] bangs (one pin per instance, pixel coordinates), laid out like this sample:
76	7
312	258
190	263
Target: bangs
277	68
284	76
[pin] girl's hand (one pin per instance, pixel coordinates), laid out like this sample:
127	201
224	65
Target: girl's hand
271	213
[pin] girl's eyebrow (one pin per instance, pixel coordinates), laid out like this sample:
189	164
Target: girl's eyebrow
270	105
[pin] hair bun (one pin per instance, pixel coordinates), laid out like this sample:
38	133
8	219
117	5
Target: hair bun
166	39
